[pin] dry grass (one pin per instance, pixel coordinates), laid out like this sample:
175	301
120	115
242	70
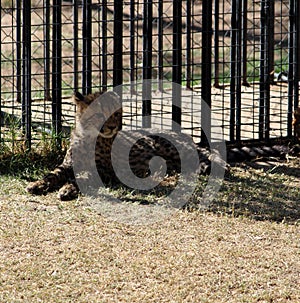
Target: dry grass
67	252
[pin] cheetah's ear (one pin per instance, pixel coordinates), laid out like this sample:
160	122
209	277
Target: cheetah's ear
297	113
78	97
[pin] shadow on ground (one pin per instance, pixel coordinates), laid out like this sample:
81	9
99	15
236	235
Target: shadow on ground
262	191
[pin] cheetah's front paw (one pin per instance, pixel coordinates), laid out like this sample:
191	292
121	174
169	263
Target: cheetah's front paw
68	192
38	187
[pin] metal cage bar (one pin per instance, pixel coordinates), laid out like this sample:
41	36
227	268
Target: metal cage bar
291	71
233	76
206	72
104	46
160	51
147	62
57	70
87	47
297	53
188	67
244	41
118	43
132	44
238	70
177	65
75	46
47	78
26	99
265	77
1	114
19	51
216	44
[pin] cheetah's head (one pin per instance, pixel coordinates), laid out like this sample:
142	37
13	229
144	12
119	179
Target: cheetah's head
106	104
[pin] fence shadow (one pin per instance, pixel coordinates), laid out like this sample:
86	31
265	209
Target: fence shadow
262	191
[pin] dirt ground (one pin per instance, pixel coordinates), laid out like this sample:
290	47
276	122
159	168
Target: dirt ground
246	249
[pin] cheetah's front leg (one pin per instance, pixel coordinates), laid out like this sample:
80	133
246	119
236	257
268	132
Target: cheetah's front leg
51	182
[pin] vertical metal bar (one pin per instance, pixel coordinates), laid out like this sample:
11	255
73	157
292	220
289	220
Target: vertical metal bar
19	51
104	45
245	42
0	79
188	44
87	47
233	70
270	37
177	64
47	71
291	71
75	44
132	40
132	46
147	63
26	97
160	45
206	71
118	43
177	42
56	70
238	69
297	54
269	67
216	44
264	72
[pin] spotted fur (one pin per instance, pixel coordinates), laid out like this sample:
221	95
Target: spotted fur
62	177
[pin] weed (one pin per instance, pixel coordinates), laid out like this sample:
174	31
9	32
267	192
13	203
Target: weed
16	160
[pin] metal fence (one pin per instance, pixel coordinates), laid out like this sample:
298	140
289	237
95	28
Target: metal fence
241	56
